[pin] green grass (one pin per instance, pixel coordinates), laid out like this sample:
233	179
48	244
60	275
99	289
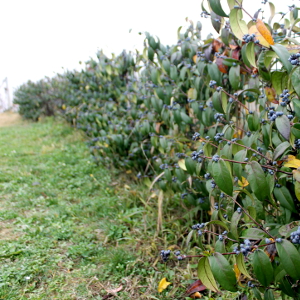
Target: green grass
70	229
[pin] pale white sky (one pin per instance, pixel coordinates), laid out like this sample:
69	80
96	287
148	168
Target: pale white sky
39	37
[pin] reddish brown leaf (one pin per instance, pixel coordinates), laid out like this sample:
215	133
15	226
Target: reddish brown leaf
217	44
236	53
219	63
195	287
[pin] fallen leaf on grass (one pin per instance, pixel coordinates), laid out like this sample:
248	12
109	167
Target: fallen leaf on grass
195	288
163	284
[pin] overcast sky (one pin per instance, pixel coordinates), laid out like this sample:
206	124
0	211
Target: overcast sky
39	37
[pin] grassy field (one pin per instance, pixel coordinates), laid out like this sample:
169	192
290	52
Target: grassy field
72	230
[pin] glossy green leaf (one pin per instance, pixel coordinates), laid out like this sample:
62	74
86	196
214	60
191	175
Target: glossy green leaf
217	8
220	246
257	180
234	224
250	53
240	261
296	107
279	81
234	77
217	102
253	233
216	21
296	130
214	73
284	127
268	295
284	197
244	56
223	272
290	258
190	165
219	223
150	53
205	274
238	25
295	78
281	148
256	293
222	176
283	55
286	286
262	267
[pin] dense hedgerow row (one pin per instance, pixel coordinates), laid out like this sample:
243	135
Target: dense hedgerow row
208	123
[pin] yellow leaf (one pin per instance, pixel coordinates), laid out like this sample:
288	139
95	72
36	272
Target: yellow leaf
244	182
264	31
196	295
63	106
237	271
237	134
258	36
128	172
181	164
163	284
127	187
292	162
296	174
271	94
195	58
238	275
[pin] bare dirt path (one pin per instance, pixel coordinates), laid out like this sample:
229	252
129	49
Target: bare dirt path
10	119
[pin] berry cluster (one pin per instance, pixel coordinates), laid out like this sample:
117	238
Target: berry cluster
216	158
163	166
297	144
165	254
179	257
196	136
248	37
243	248
285	97
218	136
196	156
212	83
293	59
198	227
295	236
207	176
180	155
272	114
221	236
218	117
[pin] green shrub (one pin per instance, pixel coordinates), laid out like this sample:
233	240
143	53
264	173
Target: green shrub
42	98
208	124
